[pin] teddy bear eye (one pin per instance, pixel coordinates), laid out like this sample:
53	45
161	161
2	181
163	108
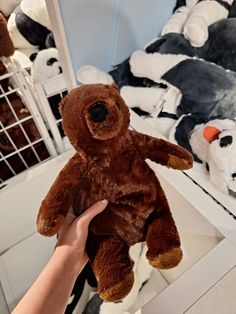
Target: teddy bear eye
98	112
226	140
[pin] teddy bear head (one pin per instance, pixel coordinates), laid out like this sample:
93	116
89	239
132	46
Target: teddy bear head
94	115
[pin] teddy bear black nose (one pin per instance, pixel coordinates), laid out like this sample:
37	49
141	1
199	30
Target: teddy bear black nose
98	112
226	140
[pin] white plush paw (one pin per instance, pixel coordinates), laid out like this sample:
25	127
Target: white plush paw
137	63
196	31
177	21
146	98
89	74
171	28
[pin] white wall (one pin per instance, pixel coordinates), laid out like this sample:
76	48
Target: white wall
105	32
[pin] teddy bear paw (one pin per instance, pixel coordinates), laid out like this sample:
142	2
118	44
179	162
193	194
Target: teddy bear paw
49	227
176	162
119	290
168	259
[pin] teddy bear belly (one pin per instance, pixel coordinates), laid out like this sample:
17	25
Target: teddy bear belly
123	221
127	210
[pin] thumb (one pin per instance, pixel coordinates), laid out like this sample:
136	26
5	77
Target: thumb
92	211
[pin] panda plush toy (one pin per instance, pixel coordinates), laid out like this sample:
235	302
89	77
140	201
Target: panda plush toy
45	64
29	26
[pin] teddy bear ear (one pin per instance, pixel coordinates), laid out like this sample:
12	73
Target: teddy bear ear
211	133
115	87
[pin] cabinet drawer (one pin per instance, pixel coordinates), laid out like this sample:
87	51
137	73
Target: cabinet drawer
20	265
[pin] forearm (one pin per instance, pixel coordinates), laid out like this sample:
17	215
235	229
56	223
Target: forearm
50	292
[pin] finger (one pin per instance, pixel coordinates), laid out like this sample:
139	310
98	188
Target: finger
92	211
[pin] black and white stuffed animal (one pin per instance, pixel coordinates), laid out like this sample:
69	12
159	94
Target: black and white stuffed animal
219	47
212	143
29	26
45	64
171	60
193	18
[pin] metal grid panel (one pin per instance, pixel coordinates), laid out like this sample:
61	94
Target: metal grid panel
24	139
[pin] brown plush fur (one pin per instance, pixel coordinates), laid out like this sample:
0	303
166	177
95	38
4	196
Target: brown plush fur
110	163
6	45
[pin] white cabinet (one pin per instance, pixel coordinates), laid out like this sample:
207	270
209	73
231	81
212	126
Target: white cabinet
23	252
21	264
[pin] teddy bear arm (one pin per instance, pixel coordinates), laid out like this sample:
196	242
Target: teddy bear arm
162	237
162	152
112	266
57	202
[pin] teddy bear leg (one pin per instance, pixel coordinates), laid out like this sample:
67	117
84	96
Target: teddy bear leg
112	267
163	239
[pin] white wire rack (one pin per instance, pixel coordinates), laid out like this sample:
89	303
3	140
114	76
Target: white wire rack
24	138
50	94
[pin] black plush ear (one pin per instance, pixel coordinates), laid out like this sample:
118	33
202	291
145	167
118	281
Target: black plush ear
156	45
33	56
49	42
179	3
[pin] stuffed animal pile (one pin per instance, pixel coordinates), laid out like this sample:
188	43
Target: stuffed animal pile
109	163
188	72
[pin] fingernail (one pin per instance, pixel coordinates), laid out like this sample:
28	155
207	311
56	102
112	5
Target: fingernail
104	201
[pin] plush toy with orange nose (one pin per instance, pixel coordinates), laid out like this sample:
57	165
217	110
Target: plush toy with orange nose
109	163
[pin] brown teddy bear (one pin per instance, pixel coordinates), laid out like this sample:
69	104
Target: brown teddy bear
110	164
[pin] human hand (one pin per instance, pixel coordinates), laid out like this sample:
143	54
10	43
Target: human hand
73	235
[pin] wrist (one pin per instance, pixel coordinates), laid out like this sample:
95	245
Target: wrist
70	259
